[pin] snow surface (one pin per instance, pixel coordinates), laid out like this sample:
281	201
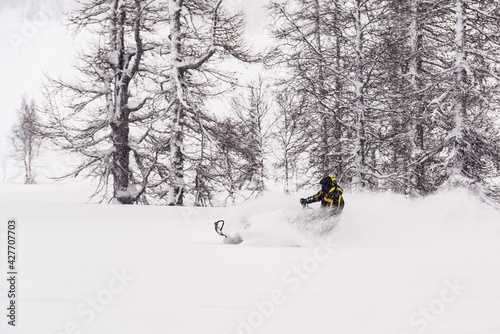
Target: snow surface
391	265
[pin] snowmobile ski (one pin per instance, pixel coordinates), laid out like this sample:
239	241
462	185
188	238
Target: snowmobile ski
219	225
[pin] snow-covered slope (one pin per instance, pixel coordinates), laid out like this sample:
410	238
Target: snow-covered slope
391	265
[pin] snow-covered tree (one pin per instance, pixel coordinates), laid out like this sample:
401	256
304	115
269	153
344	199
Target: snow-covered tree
103	109
231	163
253	111
470	103
333	51
290	135
202	33
309	35
410	88
26	138
445	95
412	64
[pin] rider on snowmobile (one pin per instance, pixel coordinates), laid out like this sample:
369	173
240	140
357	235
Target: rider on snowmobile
330	196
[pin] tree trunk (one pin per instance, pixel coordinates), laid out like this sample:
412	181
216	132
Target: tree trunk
359	107
324	167
176	193
119	113
417	174
460	90
287	178
121	171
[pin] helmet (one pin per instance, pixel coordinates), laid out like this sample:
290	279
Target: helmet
327	183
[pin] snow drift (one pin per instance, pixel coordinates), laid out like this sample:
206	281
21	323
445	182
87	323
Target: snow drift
391	265
373	220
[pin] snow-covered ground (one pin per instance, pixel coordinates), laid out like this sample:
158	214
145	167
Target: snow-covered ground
391	266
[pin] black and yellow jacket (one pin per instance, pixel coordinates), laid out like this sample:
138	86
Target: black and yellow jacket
331	199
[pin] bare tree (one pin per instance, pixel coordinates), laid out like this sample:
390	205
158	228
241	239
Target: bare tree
253	111
26	138
411	64
410	87
136	114
290	134
334	52
232	163
202	33
470	103
104	108
309	35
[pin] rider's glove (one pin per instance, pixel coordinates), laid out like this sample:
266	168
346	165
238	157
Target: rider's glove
303	201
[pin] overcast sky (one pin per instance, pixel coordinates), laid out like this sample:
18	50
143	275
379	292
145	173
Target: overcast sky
33	41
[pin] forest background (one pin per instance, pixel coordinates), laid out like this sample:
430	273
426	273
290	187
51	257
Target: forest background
210	102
